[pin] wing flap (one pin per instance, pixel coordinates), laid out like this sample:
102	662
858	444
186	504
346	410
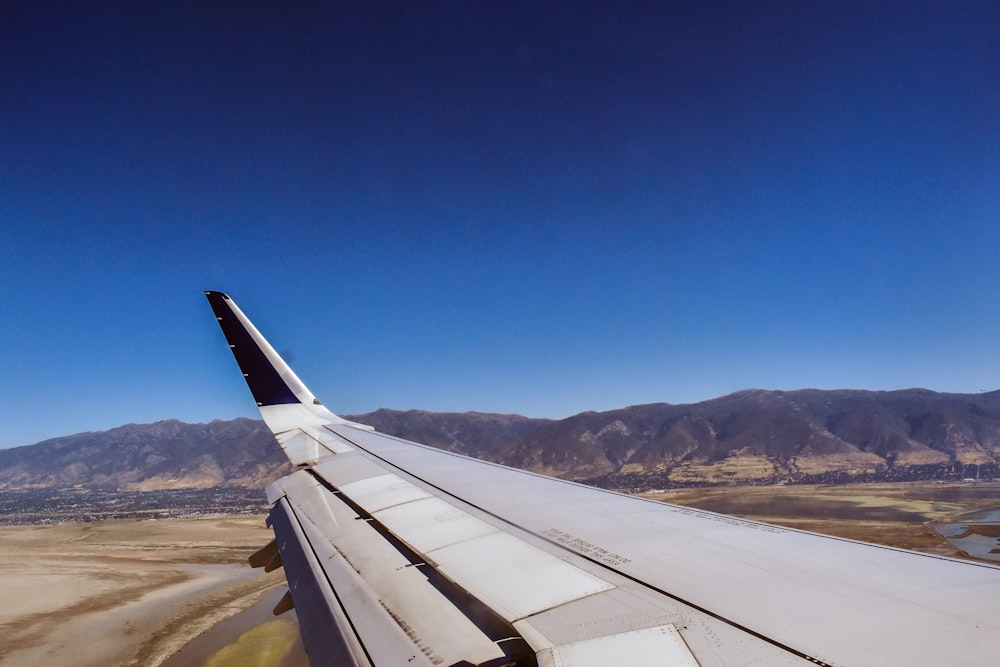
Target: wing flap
431	523
395	614
626	648
323	623
514	577
382	491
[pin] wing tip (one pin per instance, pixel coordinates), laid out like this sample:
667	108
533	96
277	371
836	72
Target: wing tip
266	374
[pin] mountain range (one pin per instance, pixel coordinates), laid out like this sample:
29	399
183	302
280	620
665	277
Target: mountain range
749	437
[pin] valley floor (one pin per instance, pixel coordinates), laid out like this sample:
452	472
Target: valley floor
900	514
130	592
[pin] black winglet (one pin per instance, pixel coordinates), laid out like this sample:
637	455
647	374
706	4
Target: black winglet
264	380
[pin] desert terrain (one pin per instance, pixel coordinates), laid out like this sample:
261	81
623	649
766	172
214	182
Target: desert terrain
178	593
898	514
127	592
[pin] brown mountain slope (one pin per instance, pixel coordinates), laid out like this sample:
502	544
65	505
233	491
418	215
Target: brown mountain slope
774	436
752	436
164	455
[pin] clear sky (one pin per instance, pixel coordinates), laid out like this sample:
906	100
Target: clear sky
540	208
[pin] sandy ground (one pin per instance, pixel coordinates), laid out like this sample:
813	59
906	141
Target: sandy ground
895	514
133	592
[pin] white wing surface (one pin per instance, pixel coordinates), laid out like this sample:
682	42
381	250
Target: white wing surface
401	554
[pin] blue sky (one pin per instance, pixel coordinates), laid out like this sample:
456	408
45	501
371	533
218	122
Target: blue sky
540	208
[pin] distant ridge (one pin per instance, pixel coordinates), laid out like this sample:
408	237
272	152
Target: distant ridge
749	437
760	436
162	455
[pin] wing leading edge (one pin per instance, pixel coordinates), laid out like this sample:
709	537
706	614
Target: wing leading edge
401	554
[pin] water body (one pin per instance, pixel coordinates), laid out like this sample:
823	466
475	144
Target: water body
983	516
203	648
977	535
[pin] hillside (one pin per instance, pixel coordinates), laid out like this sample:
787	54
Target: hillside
761	436
163	455
750	437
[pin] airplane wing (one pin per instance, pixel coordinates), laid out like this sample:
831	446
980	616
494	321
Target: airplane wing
400	554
